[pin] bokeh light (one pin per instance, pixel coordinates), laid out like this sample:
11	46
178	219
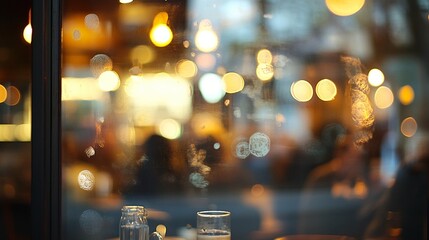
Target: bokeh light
301	90
205	61
257	190
80	89
109	81
142	54
125	1
91	222
206	39
27	33
409	127
265	71
375	77
13	96
344	7
186	68
406	95
170	128
383	97
211	87
134	86
161	229
23	132
161	35
3	93
86	180
326	90
234	82
264	56
92	21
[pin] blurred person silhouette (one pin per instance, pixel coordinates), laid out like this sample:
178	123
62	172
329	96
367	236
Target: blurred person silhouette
403	210
334	192
155	172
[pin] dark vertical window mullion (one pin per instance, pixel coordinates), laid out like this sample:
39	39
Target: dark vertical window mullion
46	102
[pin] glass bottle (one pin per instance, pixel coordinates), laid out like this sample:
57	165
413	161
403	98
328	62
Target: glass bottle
133	224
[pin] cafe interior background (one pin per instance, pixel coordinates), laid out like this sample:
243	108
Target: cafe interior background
296	116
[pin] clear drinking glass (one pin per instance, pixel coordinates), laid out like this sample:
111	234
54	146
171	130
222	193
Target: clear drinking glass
214	225
133	224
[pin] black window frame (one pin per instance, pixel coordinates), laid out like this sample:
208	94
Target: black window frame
45	122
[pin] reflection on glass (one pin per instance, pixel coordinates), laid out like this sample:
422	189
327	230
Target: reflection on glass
187	105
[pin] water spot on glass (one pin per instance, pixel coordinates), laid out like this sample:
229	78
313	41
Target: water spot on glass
280	61
361	109
196	158
237	112
100	63
186	44
141	160
227	102
216	145
76	34
136	70
198	180
259	144
90	151
86	180
242	149
91	222
92	21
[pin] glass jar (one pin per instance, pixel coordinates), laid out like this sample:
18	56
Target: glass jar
133	224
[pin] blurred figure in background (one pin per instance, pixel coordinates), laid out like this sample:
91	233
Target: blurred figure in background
155	172
334	192
404	211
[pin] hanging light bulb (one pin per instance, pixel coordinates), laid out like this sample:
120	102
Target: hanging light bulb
161	34
28	30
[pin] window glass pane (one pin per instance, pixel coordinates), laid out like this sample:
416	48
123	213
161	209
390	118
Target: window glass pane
15	121
298	117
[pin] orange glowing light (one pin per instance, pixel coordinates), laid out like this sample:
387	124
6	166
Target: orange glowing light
344	7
